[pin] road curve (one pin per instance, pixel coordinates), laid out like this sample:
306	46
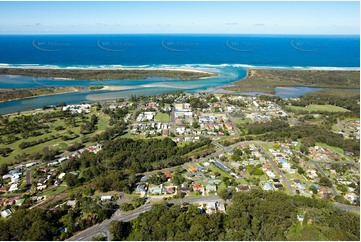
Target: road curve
103	227
346	207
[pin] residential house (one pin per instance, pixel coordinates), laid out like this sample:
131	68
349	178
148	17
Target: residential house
20	202
351	197
267	186
61	175
170	189
156	190
198	187
211	188
6	213
270	174
210	207
242	188
144	178
221	208
106	198
184	188
193	169
71	203
141	189
266	167
13	187
3	189
201	168
300	217
278	185
167	175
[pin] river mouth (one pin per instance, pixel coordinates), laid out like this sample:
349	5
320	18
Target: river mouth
114	89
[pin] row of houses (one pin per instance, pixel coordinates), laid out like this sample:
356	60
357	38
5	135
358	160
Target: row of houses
77	109
151	128
145	116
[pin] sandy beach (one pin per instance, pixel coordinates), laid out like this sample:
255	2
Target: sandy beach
116	88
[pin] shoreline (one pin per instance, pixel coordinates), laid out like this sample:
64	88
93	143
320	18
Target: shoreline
115	88
41	95
222	88
175	67
121	73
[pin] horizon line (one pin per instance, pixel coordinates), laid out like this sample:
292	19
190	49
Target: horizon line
334	34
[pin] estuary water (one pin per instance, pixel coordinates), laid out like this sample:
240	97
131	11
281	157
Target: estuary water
226	55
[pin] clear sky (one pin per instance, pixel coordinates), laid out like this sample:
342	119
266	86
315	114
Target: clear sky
180	17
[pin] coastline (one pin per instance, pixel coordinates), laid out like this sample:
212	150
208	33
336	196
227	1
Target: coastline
176	67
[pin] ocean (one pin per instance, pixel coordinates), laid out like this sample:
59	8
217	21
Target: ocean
226	55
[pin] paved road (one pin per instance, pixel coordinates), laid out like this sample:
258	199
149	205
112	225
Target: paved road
218	145
339	162
280	173
28	177
346	207
103	227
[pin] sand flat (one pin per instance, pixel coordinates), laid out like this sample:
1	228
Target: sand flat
117	88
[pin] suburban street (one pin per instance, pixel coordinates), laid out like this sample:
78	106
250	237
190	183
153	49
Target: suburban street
103	228
88	234
280	173
28	177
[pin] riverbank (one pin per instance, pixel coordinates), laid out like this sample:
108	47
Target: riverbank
266	80
106	73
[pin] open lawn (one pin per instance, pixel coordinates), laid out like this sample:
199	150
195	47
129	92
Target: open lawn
162	117
315	108
55	191
242	120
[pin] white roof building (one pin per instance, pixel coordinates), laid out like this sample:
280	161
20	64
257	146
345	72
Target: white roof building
106	198
13	187
61	175
6	213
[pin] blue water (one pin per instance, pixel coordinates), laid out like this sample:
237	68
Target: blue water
226	55
259	50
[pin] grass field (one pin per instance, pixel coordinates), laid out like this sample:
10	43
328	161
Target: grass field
162	117
55	191
315	108
56	142
242	120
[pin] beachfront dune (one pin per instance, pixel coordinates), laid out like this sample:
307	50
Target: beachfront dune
106	74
